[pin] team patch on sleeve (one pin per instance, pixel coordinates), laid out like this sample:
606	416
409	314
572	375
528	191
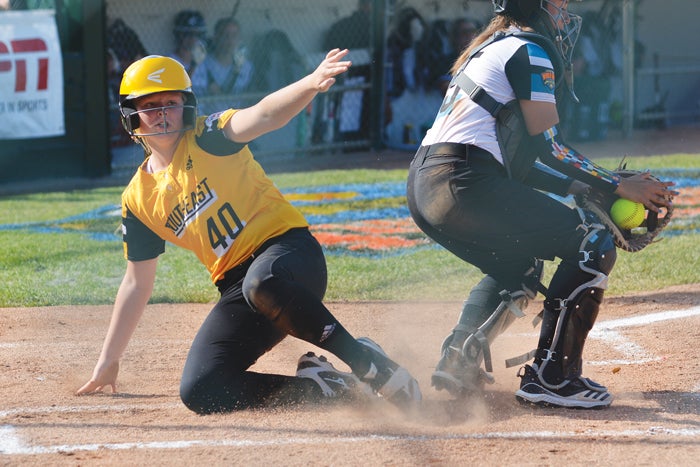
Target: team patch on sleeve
542	85
542	79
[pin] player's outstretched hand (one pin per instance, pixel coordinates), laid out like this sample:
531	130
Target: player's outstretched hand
102	377
330	67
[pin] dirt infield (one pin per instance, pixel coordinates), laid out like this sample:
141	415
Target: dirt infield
645	348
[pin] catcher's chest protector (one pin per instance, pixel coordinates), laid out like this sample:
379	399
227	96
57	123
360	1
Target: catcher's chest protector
517	148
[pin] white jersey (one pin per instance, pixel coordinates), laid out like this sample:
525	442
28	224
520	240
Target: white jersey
508	69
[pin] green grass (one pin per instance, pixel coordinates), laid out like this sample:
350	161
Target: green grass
49	268
681	161
51	206
335	177
438	275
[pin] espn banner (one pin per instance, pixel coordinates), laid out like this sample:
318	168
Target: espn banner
31	75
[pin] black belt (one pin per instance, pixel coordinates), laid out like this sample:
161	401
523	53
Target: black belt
465	152
450	149
475	157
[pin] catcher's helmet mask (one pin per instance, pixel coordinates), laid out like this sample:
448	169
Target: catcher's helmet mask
548	19
150	75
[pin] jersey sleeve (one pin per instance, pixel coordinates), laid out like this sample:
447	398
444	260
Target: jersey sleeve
531	74
211	138
140	242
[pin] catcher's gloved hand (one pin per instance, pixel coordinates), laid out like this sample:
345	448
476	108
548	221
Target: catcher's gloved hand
627	239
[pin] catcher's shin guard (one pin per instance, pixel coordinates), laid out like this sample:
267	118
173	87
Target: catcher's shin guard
569	314
469	344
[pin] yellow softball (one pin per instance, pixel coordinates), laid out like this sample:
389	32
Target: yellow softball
627	214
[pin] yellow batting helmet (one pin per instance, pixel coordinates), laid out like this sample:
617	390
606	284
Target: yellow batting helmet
150	75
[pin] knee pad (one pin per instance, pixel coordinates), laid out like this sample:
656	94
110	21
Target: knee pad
593	249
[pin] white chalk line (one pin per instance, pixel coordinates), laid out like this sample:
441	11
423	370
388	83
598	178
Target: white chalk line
75	344
86	409
642	320
11	444
636	354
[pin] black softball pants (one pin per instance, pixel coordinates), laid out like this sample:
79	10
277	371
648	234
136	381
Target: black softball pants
469	206
276	292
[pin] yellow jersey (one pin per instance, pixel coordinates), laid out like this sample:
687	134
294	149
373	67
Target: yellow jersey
213	199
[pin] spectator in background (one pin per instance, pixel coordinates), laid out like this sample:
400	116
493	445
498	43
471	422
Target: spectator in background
407	70
445	42
275	62
353	106
593	67
28	5
125	43
114	75
190	39
226	70
123	47
351	32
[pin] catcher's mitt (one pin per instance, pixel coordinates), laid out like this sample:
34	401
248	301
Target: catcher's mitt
627	239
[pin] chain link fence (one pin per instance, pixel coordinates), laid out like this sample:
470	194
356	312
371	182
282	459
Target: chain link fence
389	96
392	92
240	52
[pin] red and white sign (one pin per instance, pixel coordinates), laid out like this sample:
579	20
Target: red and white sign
31	75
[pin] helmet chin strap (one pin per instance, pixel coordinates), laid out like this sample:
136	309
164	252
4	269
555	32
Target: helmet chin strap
148	151
569	80
139	137
142	142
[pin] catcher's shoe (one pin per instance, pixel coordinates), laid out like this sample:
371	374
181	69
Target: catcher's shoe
580	393
389	380
334	384
459	376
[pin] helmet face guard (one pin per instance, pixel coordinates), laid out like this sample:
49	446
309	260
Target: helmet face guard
131	119
565	28
150	75
561	26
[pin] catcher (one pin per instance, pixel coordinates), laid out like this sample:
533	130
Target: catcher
474	186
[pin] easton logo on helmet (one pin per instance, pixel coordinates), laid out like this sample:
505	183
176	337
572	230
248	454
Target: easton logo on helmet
155	76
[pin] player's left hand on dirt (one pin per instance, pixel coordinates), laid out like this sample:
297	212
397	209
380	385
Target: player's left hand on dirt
101	378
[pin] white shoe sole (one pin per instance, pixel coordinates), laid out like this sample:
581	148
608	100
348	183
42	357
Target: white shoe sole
582	400
401	385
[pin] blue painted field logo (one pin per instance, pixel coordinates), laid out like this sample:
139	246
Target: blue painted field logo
359	219
362	219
